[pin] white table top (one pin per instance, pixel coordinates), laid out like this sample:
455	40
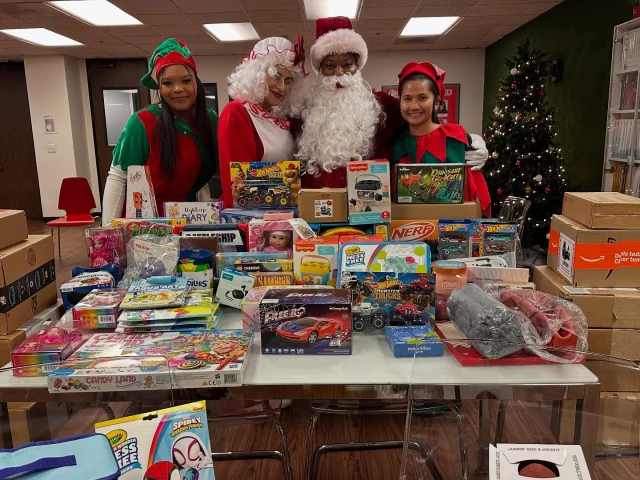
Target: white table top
371	363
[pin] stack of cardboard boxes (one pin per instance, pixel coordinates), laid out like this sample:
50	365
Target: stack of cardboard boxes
594	261
27	279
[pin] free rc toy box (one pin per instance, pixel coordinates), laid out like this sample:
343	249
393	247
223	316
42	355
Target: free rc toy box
315	261
430	182
265	184
369	192
169	444
114	362
414	341
306	322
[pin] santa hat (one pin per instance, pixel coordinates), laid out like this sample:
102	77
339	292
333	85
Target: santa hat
170	52
335	36
274	45
425	68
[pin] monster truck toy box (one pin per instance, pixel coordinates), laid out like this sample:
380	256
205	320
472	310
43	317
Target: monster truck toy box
304	321
594	258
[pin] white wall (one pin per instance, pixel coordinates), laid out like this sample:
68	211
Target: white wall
216	70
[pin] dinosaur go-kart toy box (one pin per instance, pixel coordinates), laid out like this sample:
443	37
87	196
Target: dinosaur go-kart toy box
369	192
430	183
306	322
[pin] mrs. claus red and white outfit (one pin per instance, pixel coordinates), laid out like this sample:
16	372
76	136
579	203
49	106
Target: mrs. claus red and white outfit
248	132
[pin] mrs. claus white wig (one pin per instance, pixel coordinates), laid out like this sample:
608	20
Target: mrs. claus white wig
248	80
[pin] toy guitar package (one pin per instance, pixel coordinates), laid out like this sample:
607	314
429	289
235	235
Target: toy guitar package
455	239
141	200
169	444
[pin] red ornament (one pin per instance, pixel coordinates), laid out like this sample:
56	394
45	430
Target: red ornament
520	117
542	94
547	190
518	163
513	85
484	135
499	191
500	90
537	71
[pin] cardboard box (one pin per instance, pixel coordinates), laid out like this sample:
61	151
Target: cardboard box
615	376
617	343
594	258
369	192
27	281
323	205
603	209
619	419
604	308
511	461
8	343
13	227
434	212
29	422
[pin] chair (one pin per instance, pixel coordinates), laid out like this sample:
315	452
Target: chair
76	199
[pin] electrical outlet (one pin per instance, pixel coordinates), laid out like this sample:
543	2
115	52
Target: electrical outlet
51	148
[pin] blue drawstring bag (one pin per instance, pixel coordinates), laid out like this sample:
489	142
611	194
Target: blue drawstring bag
88	457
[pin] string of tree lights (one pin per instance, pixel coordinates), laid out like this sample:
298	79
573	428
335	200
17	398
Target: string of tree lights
524	157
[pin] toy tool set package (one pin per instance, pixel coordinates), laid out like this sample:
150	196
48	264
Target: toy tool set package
106	245
196	213
369	192
99	309
414	341
169	444
315	261
498	238
265	184
141	200
146	361
455	239
233	287
80	285
430	182
381	299
302	321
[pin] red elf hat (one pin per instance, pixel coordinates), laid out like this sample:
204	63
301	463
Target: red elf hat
425	68
170	52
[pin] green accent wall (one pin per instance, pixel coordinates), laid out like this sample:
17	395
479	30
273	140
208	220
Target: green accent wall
580	32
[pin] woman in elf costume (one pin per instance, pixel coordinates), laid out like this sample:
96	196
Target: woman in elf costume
425	139
254	126
175	138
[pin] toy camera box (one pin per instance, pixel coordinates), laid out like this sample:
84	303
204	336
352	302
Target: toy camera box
265	184
306	322
413	341
430	183
196	213
169	444
323	205
315	261
369	192
522	461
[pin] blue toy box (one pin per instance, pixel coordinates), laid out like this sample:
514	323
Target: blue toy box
414	341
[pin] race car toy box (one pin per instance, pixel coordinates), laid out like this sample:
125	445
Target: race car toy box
323	205
306	322
603	209
27	281
369	192
594	258
13	227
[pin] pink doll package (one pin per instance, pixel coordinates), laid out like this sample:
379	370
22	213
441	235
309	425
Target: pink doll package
39	355
271	236
106	245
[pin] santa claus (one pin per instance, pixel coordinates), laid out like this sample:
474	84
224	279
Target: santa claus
343	118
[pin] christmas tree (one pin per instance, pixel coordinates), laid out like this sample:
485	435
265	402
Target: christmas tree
524	158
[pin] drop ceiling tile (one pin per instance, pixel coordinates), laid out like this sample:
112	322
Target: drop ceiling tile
377	41
460	29
196	37
21	9
153	20
22	1
239	48
257	5
208	6
501	9
279	29
9	42
493	20
426	3
177	30
34	50
120	49
219	17
77	51
381	24
129	31
379	48
100	41
442	11
382	13
63	21
537	8
147	6
81	31
206	49
379	32
498	2
268	16
460	38
13	23
147	39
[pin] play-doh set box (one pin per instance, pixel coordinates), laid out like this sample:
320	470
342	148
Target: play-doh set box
315	260
168	444
303	321
369	192
147	361
99	309
195	213
265	184
430	183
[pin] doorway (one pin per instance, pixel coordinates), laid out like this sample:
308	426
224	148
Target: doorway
19	186
115	93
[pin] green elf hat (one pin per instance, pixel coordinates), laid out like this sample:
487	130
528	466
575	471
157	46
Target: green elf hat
170	52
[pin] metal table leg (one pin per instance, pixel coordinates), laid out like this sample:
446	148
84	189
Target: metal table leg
484	434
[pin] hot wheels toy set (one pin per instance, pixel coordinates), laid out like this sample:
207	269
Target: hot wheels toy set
369	192
498	238
430	183
455	238
302	321
169	444
265	184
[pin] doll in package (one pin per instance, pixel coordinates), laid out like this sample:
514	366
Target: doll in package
106	245
170	444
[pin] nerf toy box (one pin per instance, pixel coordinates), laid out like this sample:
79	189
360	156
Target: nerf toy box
315	261
306	322
268	272
195	213
99	309
430	183
414	341
369	192
265	184
169	444
146	361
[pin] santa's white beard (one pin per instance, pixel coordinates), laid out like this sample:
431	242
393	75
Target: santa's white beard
339	123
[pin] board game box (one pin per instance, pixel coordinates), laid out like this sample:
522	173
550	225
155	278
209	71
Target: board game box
430	183
146	361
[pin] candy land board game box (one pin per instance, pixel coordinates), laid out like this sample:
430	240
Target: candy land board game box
430	183
169	444
116	362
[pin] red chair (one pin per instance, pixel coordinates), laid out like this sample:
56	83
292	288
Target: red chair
76	199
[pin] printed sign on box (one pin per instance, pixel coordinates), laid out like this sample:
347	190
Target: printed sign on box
196	213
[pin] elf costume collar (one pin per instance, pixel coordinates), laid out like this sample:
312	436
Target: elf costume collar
170	52
435	143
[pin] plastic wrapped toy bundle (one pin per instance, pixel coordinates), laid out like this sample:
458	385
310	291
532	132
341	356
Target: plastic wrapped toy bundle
151	256
559	327
493	329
